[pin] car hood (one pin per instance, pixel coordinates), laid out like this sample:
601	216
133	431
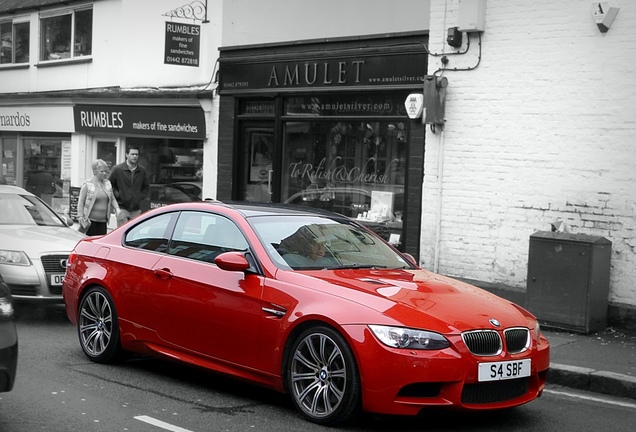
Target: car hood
420	298
35	240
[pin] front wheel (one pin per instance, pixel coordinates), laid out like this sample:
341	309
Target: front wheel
98	327
323	377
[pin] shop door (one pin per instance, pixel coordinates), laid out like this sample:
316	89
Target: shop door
256	171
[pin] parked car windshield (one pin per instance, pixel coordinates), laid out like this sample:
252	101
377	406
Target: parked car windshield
315	242
26	210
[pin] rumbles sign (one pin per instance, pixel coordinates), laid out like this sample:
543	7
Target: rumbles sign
395	70
171	122
182	44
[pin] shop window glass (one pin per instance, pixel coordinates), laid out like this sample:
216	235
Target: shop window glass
67	36
356	168
42	169
8	158
175	169
15	42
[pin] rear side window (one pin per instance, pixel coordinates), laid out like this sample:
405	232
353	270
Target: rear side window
203	236
152	234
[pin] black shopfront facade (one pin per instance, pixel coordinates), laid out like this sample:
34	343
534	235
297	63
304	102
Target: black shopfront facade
324	124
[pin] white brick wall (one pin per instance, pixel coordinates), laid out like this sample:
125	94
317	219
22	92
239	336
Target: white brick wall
544	128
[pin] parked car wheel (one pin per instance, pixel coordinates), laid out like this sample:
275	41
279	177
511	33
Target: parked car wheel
98	327
323	376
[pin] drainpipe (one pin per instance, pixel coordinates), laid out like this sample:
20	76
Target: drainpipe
438	218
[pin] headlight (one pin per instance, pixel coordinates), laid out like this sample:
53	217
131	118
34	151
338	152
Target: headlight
13	257
402	337
6	308
537	331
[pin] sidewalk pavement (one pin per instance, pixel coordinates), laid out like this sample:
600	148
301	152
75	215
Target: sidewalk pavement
603	362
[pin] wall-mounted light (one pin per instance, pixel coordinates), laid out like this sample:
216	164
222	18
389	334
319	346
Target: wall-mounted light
604	14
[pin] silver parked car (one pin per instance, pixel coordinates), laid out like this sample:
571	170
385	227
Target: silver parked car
35	243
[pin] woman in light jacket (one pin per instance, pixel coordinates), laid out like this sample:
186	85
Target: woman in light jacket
96	200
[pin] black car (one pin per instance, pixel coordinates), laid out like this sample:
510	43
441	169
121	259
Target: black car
8	340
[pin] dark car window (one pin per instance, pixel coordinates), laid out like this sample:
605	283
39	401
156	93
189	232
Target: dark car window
203	236
152	234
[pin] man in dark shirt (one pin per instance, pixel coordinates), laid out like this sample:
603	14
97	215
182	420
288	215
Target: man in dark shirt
130	185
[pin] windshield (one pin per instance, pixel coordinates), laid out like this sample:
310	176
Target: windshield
26	210
315	242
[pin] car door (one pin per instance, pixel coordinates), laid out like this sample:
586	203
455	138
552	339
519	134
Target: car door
137	286
208	310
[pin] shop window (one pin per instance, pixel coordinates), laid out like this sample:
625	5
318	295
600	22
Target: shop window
8	158
15	42
42	168
356	168
174	167
66	35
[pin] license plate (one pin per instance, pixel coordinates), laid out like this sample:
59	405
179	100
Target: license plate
57	279
496	371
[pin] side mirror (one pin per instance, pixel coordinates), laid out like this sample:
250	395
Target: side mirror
411	258
232	261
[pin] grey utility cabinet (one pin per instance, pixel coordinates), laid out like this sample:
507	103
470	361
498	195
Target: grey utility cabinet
568	280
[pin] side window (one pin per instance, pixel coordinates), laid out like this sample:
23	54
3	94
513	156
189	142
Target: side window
152	234
203	236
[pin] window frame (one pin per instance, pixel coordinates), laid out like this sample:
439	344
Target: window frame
73	56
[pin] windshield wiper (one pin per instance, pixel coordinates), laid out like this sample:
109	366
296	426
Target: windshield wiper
364	266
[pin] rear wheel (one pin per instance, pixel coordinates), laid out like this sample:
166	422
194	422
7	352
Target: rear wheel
323	377
98	327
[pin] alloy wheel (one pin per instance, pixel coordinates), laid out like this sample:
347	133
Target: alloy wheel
318	375
95	324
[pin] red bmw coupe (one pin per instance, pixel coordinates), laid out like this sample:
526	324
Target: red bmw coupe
304	302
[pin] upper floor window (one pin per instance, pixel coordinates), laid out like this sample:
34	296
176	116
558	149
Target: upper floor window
15	42
67	34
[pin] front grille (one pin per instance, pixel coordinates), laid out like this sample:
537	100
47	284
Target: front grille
494	392
517	340
53	263
483	342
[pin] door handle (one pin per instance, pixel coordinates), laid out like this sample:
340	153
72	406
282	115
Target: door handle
163	273
269	181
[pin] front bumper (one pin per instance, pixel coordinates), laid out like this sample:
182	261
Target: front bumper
402	381
39	282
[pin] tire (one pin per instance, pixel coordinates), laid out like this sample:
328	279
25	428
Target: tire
98	327
322	377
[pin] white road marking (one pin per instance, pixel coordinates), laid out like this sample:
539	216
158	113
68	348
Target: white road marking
592	398
161	424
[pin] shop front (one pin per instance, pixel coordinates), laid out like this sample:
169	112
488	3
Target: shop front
35	151
170	142
48	150
324	124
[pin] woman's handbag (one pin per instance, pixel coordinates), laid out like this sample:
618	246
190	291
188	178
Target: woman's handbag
84	225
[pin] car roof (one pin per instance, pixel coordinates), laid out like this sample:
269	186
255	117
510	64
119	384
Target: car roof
250	209
15	190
